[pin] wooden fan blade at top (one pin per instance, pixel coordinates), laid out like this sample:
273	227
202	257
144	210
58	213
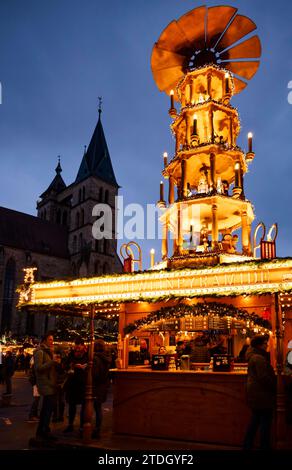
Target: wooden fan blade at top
249	49
238	28
217	20
193	26
239	85
165	79
162	59
173	39
244	69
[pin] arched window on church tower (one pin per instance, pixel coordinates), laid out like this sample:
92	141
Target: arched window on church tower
8	295
83	193
58	216
97	246
74	244
105	268
74	270
100	194
77	223
106	195
96	267
80	195
82	218
105	246
65	218
45	214
80	241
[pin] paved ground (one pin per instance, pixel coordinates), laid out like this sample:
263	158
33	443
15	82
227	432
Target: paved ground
16	432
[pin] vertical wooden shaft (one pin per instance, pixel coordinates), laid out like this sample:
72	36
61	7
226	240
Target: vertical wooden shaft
241	178
214	226
184	182
171	190
246	244
213	169
209	78
88	406
179	230
189	124
164	243
231	131
236	175
211	124
193	90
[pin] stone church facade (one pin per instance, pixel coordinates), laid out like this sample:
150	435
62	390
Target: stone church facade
59	241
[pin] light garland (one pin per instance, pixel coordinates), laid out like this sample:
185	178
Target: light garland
202	309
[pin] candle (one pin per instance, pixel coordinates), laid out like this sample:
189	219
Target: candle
171	99
195	125
249	135
237	175
152	257
165	155
227	83
161	191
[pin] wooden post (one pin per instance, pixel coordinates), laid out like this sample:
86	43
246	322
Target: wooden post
214	226
179	230
245	233
88	406
164	243
171	190
184	177
213	170
281	402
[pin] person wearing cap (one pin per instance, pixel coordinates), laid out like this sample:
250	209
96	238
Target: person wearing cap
261	393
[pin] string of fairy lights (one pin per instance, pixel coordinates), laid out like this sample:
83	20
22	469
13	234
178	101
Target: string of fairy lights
201	309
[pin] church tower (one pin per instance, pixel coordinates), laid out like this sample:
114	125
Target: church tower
52	206
95	183
71	206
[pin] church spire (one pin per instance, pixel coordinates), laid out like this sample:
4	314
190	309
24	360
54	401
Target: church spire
96	160
58	168
58	184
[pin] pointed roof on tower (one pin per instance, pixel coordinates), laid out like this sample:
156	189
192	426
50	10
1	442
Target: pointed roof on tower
96	160
58	184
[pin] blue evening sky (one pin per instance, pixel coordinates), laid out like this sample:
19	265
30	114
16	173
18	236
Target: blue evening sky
58	56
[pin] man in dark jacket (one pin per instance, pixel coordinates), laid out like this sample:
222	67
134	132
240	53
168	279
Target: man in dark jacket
45	371
76	365
261	393
100	381
9	367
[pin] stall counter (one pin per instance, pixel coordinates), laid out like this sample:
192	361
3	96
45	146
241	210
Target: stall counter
199	406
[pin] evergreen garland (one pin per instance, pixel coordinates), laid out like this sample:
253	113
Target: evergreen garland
204	309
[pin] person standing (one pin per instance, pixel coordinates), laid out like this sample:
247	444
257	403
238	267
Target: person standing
45	371
9	367
261	393
33	413
76	365
100	382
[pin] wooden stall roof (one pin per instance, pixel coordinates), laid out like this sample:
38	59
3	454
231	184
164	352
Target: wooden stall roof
106	292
